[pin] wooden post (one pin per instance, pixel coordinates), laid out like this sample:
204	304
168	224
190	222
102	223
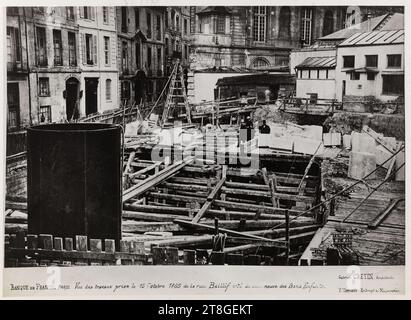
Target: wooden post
287	235
332	207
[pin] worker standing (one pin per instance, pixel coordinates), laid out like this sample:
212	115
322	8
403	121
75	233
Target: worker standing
267	96
264	128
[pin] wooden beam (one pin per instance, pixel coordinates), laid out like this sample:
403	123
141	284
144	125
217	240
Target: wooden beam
145	170
155	179
229	232
384	214
216	190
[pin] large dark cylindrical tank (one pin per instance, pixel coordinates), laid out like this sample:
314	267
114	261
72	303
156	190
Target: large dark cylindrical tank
74	180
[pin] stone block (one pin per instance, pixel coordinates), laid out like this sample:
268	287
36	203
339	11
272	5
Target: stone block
382	155
270	141
332	139
362	142
313	132
347	141
361	164
307	146
400	159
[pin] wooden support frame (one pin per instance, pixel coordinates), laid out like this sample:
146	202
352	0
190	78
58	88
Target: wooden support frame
211	197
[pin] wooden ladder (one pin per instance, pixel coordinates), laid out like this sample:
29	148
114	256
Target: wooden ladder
176	97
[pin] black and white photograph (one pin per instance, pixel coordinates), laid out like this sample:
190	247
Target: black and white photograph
200	136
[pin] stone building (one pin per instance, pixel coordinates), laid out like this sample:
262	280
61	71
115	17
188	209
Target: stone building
177	36
98	80
141	57
60	60
258	37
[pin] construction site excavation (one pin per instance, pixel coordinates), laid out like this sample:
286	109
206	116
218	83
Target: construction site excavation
260	176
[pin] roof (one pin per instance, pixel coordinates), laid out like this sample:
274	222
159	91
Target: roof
317	62
362	70
380	23
257	79
214	10
374	38
225	70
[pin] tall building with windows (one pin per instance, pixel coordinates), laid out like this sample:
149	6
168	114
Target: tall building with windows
177	36
97	86
141	56
62	63
258	37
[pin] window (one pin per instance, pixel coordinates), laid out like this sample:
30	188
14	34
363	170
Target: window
166	47
260	62
58	48
177	23
106	51
371	61
72	49
328	26
108	90
124	56
370	76
149	58
13	105
125	90
259	25
87	13
306	25
105	15
158	27
124	19
137	18
393	85
44	87
185	27
285	23
138	55
149	25
220	24
166	19
326	73
318	74
12	11
354	76
393	61
159	61
45	114
70	13
13	48
41	47
90	49
348	61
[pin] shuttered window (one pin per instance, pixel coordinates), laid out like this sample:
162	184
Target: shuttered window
72	49
89	48
41	47
58	48
106	51
108	90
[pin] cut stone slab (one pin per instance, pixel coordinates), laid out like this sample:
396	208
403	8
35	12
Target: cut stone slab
307	146
267	140
362	142
361	164
347	141
313	132
382	154
332	139
399	160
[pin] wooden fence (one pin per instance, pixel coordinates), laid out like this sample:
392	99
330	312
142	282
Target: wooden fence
29	250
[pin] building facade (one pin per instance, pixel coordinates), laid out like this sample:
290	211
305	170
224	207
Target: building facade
371	64
98	82
141	56
259	37
61	63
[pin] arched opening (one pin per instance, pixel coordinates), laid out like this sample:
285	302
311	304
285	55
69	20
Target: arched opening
328	26
139	85
72	98
285	23
260	63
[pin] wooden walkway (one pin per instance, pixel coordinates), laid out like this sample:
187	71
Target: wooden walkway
377	229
